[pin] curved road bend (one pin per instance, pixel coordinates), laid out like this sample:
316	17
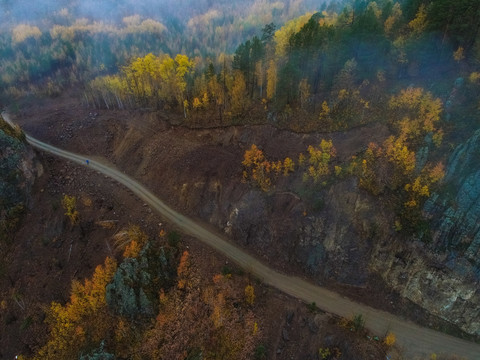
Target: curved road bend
415	340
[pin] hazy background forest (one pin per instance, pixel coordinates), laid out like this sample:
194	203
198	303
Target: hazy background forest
89	38
240	56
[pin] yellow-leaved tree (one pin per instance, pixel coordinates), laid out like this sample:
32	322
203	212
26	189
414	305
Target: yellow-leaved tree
257	167
415	113
238	93
81	322
271	80
21	32
153	80
283	35
69	203
419	24
419	189
183	271
135	242
390	339
249	294
399	154
319	160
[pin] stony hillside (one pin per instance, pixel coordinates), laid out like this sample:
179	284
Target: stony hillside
49	257
337	234
18	170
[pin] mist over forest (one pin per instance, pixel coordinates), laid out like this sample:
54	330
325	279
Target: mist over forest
114	11
180	17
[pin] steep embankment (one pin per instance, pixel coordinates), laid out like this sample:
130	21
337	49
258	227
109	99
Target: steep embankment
18	170
49	252
339	235
417	340
46	252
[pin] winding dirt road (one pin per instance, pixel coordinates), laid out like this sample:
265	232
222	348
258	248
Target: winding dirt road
416	341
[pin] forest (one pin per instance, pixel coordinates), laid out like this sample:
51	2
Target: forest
301	66
327	69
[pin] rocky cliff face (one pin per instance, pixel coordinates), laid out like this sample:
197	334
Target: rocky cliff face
18	170
331	242
350	235
455	219
336	233
456	213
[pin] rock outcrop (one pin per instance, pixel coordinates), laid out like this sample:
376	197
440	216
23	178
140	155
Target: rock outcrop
134	289
350	236
18	170
455	214
335	233
455	219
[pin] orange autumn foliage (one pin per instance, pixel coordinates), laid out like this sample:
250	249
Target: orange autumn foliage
132	250
390	339
132	240
288	166
207	316
183	271
319	160
249	294
416	112
420	187
261	171
85	313
398	153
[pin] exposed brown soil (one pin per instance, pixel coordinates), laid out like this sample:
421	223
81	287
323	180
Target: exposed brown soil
131	140
180	164
168	158
49	253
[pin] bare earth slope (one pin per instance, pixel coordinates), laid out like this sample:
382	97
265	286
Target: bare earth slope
414	339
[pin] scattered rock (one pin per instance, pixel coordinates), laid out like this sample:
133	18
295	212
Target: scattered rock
107	224
289	317
312	325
